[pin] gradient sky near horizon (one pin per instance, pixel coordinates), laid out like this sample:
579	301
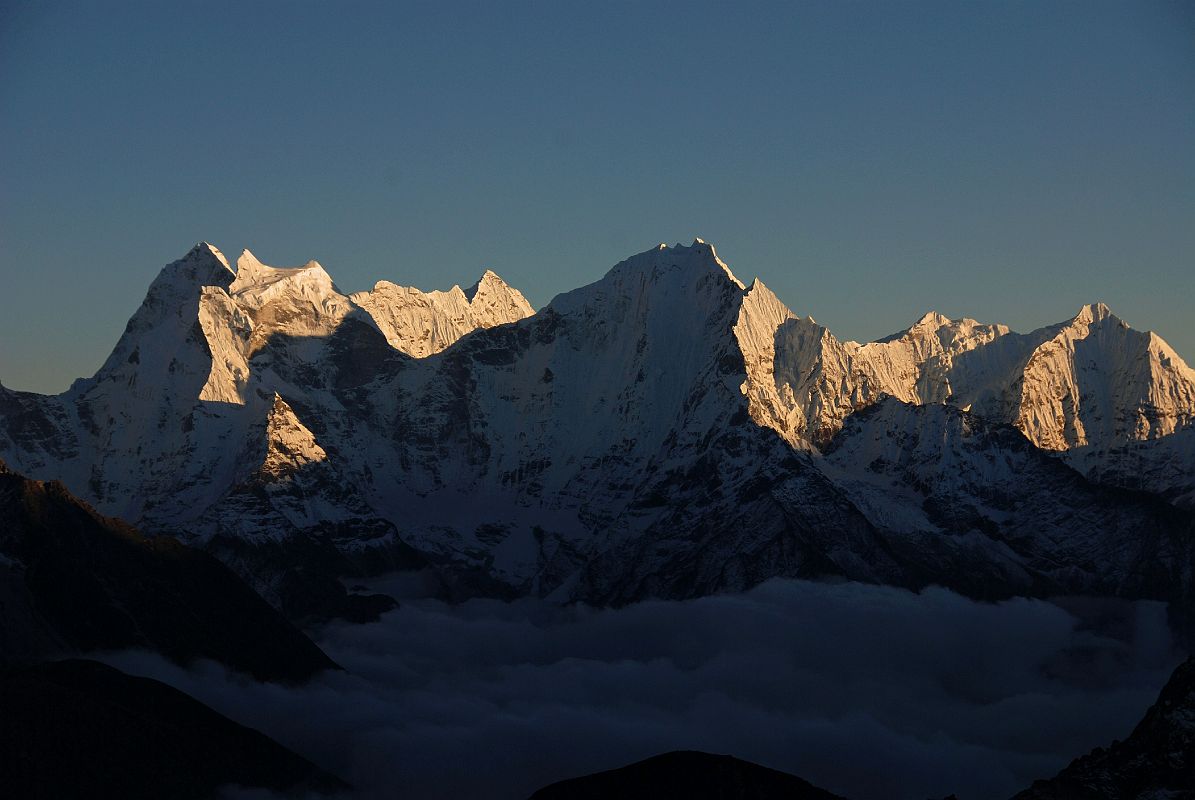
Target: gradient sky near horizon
1007	161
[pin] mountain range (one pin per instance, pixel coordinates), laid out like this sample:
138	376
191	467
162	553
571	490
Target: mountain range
667	431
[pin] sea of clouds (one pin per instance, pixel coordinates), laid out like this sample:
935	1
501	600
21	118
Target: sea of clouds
871	692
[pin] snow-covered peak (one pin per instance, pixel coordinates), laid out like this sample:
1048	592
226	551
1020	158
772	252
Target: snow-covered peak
290	445
660	272
207	251
488	278
621	408
1096	381
494	302
698	257
163	326
257	284
777	345
928	323
668	334
250	270
423	323
203	265
930	320
892	432
952	334
706	250
1094	313
252	273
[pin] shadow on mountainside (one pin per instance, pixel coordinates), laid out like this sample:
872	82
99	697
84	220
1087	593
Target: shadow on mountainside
83	582
81	729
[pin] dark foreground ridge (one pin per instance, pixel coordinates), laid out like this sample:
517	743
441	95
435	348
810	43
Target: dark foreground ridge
688	774
83	729
1156	761
72	581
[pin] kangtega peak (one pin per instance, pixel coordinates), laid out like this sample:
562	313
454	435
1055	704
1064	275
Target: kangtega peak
667	430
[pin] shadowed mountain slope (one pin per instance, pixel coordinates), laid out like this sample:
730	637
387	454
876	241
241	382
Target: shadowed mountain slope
1156	761
81	729
657	433
80	582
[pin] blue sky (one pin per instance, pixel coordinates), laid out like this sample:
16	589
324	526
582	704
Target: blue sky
870	161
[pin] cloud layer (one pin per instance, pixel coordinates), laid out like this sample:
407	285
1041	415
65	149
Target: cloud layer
869	691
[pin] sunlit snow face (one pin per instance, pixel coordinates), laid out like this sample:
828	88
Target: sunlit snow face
870	692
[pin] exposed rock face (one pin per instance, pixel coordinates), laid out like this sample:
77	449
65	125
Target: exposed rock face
1156	761
658	432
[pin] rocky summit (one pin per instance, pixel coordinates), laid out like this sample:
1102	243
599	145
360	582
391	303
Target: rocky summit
667	431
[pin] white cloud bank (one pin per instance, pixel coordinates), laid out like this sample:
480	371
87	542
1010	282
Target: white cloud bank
868	691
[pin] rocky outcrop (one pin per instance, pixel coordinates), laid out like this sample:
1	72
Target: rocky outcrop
1157	760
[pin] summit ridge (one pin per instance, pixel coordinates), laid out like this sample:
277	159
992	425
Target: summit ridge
666	430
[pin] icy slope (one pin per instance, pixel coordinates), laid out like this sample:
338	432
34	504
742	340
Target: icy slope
1005	512
655	432
1090	381
1164	466
422	323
